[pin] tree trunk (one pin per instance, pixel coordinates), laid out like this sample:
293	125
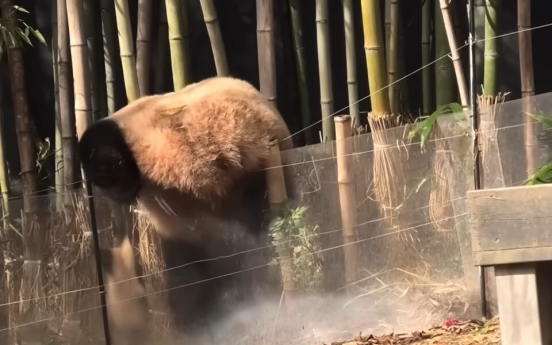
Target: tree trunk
32	234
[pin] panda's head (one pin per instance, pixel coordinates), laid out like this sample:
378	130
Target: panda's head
108	161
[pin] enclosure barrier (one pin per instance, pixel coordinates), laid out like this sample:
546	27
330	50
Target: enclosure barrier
413	264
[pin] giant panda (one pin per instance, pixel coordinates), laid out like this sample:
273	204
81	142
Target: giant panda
187	154
190	160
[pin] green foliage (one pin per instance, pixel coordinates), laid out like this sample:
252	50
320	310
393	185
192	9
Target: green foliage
424	128
291	234
544	174
14	36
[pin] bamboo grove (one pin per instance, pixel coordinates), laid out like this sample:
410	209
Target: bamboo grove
96	54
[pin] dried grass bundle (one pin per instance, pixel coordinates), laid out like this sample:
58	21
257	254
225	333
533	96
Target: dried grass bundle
153	268
78	271
442	178
489	107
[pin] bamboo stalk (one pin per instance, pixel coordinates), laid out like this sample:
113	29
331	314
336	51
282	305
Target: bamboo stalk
350	52
347	193
265	46
90	19
109	31
126	50
177	43
143	46
71	170
490	83
325	69
455	56
393	58
215	36
300	62
4	182
375	59
387	27
162	50
427	94
79	61
445	92
402	85
527	82
278	200
58	155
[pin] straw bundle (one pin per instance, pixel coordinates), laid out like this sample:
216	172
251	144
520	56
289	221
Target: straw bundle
489	106
153	270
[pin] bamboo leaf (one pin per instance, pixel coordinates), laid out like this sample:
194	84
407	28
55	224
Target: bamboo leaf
38	36
424	128
542	176
20	9
545	120
24	35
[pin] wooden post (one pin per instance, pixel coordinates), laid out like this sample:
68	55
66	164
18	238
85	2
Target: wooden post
277	198
510	230
347	193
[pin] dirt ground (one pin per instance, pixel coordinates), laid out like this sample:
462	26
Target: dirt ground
450	332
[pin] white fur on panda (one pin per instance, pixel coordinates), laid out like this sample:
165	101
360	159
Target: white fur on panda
124	293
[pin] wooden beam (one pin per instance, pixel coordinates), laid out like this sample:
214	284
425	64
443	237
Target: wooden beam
511	225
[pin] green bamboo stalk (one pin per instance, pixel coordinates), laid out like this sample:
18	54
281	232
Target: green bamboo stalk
324	69
143	45
445	91
186	38
90	19
492	15
126	50
375	58
58	156
393	58
427	93
177	45
265	46
109	34
213	29
350	53
300	62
